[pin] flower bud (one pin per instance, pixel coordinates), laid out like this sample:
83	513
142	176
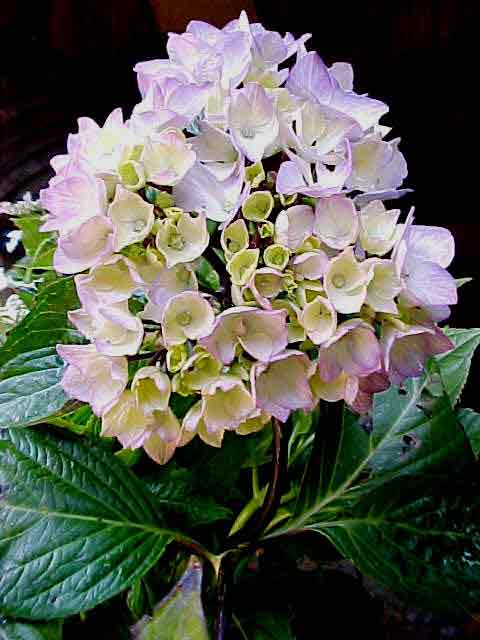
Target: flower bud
258	206
276	256
242	266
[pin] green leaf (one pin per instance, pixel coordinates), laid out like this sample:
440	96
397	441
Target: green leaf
424	546
377	492
180	614
39	246
32	237
30	369
207	276
24	631
176	492
76	526
454	366
470	421
79	420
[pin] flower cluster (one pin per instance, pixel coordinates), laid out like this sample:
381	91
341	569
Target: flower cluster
279	175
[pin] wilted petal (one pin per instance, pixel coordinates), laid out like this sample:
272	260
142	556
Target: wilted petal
132	218
282	386
336	221
367	387
93	377
84	246
187	316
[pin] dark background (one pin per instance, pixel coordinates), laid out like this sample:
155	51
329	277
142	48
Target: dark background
60	59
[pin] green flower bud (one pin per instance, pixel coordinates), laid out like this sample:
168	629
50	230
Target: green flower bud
242	266
287	201
160	199
255	174
132	175
310	244
176	357
276	256
174	213
234	238
267	229
258	206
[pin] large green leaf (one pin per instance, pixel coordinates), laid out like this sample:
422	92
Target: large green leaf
30	369
407	437
424	546
180	613
455	365
76	526
25	631
375	493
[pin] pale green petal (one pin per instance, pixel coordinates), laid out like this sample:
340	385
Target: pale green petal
132	218
242	266
234	238
152	389
258	206
276	256
187	316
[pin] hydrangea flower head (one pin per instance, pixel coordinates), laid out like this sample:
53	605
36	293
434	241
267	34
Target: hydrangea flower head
233	238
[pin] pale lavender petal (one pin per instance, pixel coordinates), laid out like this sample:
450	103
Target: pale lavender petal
283	385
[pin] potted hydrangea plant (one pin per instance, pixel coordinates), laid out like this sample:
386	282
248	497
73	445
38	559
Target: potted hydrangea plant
224	288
